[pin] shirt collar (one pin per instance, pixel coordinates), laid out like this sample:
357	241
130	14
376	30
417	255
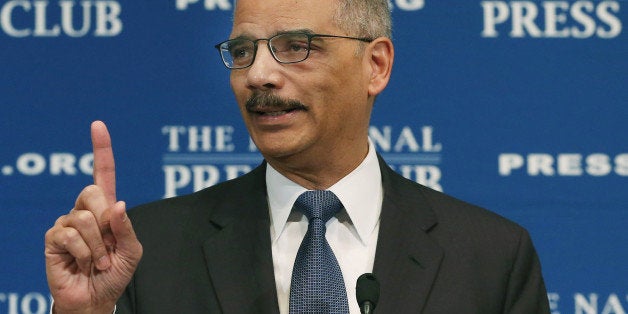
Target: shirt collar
360	192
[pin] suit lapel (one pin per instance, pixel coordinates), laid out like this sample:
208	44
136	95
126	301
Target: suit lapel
238	254
407	259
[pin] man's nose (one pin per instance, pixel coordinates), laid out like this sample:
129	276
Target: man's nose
265	72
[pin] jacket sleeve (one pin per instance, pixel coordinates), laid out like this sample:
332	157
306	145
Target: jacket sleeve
126	304
526	291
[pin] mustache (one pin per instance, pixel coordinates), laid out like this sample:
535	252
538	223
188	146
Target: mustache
269	102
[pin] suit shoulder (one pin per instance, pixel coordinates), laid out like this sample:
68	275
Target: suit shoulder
450	206
197	205
454	213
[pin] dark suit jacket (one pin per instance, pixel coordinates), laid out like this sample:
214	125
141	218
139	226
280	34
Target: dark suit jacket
210	252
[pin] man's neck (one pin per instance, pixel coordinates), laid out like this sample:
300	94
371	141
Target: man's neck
319	174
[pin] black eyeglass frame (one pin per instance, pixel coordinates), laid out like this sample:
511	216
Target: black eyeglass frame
310	36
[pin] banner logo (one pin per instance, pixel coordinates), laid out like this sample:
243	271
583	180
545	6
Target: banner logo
592	303
31	303
406	5
551	19
201	156
55	164
40	18
209	5
412	153
566	164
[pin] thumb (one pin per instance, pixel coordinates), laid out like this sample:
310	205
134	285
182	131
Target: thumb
126	242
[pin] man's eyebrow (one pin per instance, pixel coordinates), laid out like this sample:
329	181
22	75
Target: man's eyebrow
243	36
288	31
292	31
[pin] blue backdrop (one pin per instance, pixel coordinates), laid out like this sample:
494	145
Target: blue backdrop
518	106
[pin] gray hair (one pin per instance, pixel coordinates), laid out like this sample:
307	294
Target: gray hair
364	18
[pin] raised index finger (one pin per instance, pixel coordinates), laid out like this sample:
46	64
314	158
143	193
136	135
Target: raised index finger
104	166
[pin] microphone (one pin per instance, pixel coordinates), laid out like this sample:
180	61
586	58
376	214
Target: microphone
367	293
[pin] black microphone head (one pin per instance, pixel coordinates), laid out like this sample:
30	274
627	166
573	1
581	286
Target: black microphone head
367	289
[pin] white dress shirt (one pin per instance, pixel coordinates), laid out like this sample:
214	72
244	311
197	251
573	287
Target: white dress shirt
352	233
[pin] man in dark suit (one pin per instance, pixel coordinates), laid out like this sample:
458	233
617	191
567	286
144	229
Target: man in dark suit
305	75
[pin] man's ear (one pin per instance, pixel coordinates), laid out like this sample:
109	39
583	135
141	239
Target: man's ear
382	54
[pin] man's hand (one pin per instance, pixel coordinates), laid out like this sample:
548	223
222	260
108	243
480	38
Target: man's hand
92	252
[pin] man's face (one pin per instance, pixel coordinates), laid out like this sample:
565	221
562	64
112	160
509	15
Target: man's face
315	108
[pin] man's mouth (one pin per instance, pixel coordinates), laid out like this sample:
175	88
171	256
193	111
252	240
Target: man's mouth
272	106
274	113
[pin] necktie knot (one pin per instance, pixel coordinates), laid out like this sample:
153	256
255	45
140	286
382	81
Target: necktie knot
318	204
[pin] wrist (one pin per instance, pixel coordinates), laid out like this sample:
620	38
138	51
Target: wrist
105	309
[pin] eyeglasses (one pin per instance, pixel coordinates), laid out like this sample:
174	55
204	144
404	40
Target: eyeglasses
239	53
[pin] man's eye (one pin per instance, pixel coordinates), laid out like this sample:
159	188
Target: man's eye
297	46
240	52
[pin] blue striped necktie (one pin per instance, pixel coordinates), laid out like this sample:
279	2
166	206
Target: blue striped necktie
317	284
